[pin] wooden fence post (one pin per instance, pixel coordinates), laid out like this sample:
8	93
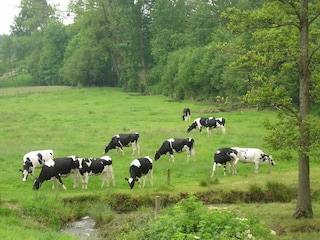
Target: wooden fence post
168	176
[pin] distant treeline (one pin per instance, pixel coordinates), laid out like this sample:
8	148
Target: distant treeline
201	50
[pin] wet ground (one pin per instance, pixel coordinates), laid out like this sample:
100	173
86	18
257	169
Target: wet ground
82	228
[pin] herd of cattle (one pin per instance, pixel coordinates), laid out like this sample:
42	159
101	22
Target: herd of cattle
55	168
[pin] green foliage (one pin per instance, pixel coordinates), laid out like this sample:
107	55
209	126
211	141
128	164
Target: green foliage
102	214
189	219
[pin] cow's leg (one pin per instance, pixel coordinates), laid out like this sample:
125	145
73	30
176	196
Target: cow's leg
32	172
144	180
105	179
60	181
134	147
256	167
85	177
171	157
193	153
111	174
75	178
120	148
188	155
224	169
151	177
138	147
232	167
213	169
52	182
223	128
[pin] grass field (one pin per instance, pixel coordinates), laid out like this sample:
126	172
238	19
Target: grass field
82	121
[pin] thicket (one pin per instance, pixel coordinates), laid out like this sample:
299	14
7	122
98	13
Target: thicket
182	49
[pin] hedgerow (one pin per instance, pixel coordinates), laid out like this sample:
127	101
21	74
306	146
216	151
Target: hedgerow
190	219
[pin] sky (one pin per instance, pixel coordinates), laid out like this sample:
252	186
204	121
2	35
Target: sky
11	8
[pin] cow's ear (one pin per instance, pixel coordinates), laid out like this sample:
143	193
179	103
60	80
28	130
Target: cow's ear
20	170
127	179
136	179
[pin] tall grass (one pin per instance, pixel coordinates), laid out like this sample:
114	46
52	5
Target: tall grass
82	121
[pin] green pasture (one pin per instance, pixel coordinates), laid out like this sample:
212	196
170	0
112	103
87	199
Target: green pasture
82	121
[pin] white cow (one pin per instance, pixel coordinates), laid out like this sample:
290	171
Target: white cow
34	159
252	155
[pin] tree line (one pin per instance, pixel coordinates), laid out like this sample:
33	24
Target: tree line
182	48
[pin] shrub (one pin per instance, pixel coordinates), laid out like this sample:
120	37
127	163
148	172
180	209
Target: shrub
190	219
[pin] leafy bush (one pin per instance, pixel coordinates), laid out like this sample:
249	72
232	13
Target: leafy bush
189	219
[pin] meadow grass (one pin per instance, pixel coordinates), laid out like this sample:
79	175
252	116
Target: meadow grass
82	121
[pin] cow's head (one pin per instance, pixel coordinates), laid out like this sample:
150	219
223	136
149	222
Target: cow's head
192	126
131	181
106	149
36	185
234	155
157	156
267	158
27	168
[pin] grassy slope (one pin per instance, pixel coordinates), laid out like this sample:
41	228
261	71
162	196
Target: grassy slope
82	121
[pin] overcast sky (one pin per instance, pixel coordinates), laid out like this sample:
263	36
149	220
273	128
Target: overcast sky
11	8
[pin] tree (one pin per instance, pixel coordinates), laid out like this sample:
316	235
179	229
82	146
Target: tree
280	33
51	57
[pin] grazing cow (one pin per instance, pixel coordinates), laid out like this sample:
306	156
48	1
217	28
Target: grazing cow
95	166
140	167
255	156
209	123
186	114
56	168
176	145
222	156
34	159
124	140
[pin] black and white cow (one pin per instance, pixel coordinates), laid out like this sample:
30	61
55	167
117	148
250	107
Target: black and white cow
56	168
124	140
176	145
34	159
186	114
255	156
96	166
138	168
222	156
209	123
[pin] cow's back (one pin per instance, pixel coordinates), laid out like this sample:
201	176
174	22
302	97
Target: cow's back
249	154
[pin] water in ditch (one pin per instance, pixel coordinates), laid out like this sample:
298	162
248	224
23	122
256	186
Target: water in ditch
82	228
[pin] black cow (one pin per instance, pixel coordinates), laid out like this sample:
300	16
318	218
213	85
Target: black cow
186	114
176	145
222	156
96	166
140	167
209	123
57	168
124	140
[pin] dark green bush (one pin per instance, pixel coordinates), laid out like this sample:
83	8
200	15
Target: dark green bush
190	219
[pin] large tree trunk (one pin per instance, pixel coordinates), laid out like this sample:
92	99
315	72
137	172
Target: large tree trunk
304	206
